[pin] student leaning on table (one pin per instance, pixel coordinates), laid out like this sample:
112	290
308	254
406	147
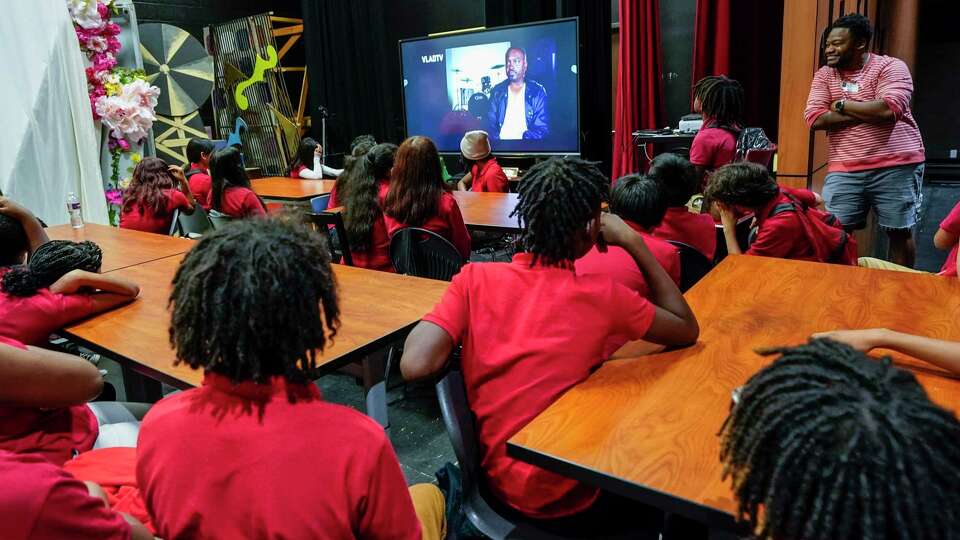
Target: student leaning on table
521	352
252	304
941	353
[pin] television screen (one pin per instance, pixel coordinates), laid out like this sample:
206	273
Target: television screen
517	83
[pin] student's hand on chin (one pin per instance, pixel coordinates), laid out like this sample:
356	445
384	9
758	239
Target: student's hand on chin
726	213
861	340
615	232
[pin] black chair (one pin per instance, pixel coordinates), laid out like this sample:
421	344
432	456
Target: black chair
422	253
322	222
194	225
484	512
693	265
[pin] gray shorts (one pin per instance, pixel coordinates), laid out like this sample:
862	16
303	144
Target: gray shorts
893	193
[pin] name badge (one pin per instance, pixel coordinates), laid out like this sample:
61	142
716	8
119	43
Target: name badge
850	87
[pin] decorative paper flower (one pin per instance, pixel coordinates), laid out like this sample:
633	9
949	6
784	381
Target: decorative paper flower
86	14
114	196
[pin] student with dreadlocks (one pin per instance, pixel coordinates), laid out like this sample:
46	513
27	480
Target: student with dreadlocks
155	192
231	193
60	284
789	225
418	197
720	100
678	183
826	444
274	459
939	352
534	328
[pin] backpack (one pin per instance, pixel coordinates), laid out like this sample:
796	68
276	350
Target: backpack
751	138
191	172
831	243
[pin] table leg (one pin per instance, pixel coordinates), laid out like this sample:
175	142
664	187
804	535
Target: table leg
139	388
375	388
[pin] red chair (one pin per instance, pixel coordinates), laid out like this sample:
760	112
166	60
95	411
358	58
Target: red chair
761	156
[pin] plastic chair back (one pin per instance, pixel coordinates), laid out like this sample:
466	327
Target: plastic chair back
218	219
693	265
174	223
196	224
422	253
319	204
761	156
322	222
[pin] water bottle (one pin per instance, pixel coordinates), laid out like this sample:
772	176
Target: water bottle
73	208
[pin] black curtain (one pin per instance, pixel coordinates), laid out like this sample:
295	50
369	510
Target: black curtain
349	65
595	67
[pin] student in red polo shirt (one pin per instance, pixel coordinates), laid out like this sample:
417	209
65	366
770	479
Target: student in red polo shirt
678	183
366	186
358	148
149	202
40	501
483	171
789	226
231	193
720	100
640	204
418	197
20	233
199	152
59	285
255	452
44	395
534	328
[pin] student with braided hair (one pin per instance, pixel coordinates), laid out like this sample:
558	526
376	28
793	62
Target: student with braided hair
60	284
720	100
533	328
276	460
826	444
941	353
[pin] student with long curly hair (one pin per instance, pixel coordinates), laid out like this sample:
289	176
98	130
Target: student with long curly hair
362	199
156	190
418	196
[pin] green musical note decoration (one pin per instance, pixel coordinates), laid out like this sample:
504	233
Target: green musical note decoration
262	65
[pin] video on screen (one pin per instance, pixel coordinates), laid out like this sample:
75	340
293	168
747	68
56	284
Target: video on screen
519	84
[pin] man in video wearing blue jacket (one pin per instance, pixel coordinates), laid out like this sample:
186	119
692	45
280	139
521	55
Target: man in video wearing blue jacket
518	107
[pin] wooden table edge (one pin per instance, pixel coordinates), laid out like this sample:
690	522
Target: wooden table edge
145	262
709	516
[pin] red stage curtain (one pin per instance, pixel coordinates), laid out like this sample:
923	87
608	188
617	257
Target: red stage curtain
711	39
639	80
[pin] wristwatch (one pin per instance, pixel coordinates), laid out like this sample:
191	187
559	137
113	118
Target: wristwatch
840	104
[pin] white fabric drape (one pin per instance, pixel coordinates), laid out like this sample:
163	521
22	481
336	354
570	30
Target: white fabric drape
49	145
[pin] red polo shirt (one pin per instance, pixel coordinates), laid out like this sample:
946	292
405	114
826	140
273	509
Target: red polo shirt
713	147
951	224
523	351
269	461
696	230
32	319
240	202
488	176
141	218
447	222
42	502
200	184
783	235
377	255
55	435
620	266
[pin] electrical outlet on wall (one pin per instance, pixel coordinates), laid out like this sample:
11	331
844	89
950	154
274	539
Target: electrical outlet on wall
953	153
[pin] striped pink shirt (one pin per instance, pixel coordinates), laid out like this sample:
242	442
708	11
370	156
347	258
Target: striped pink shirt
868	146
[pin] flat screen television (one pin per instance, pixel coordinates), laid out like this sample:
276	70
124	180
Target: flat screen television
517	83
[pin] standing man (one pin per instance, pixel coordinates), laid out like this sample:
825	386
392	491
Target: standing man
876	153
518	107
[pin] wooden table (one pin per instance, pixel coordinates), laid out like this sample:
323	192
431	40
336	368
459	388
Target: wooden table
123	247
376	308
290	190
646	427
488	211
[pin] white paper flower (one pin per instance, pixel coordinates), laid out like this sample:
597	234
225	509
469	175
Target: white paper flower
84	13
